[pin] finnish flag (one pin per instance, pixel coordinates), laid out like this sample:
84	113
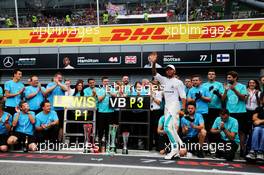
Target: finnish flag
223	58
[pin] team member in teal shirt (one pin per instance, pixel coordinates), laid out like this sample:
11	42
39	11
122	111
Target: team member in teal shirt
216	89
200	95
226	127
193	129
5	126
78	90
57	88
235	97
23	123
34	94
105	112
92	91
1	92
47	123
13	90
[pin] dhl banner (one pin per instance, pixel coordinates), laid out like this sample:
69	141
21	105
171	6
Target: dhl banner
244	30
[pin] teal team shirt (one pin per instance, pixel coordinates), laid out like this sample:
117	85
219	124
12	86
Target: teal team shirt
1	92
201	106
231	125
88	92
24	125
215	101
34	103
198	120
104	106
13	88
234	104
56	92
3	130
46	119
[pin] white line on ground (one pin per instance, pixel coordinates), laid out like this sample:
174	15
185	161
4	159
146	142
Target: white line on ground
131	167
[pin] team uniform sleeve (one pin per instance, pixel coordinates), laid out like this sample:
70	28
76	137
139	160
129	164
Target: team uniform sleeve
216	124
38	122
243	90
160	78
7	86
201	119
55	116
1	92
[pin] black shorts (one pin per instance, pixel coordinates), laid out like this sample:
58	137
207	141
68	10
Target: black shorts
242	120
10	110
21	137
60	114
3	139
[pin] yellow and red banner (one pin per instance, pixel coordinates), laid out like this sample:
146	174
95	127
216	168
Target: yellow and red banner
244	30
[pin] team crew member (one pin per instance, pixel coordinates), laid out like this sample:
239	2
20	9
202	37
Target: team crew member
227	127
155	109
252	101
163	142
193	130
261	83
47	123
34	94
57	88
235	96
199	95
173	90
105	112
125	85
78	90
257	142
216	89
5	126
23	122
13	91
1	92
188	85
69	91
91	90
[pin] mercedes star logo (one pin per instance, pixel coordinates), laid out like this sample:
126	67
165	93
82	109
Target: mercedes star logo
8	62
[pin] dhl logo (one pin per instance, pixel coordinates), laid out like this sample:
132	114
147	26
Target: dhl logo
45	37
161	33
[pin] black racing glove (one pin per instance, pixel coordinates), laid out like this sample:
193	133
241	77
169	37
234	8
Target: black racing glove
211	88
198	96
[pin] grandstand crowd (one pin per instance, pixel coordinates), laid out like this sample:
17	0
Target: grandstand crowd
174	10
228	113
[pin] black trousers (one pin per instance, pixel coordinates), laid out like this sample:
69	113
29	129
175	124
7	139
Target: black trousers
154	121
102	124
50	134
209	121
228	151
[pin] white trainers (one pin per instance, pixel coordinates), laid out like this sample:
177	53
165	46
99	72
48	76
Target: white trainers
173	154
260	156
